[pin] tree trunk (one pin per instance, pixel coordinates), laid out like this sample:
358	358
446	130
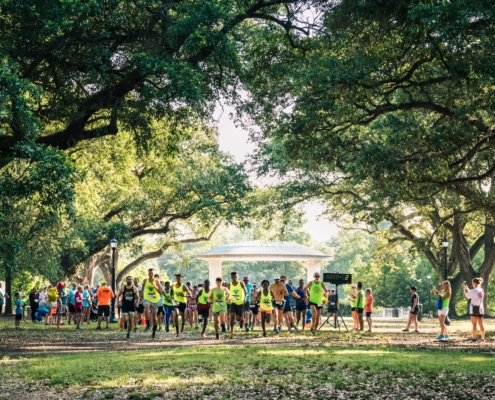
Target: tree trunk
455	284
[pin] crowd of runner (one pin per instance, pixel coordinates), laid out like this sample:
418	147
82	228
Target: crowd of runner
157	305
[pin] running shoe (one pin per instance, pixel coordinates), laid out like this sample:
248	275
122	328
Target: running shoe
232	335
127	336
224	329
167	329
440	337
178	334
98	328
147	329
296	328
153	334
196	327
264	334
160	329
446	337
203	335
473	340
247	328
135	330
405	330
79	328
482	341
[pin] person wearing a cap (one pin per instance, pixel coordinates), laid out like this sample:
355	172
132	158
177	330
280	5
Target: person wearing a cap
204	305
413	312
104	295
279	292
180	294
238	296
316	289
247	304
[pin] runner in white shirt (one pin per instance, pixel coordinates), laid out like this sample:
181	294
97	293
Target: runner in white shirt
476	310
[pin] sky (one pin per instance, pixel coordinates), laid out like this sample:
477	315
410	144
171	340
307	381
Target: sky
235	141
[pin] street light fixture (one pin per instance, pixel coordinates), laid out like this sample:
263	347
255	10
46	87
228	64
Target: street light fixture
429	294
113	245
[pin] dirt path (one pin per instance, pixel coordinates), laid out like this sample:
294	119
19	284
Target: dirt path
41	341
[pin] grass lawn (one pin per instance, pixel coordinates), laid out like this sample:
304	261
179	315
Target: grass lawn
368	368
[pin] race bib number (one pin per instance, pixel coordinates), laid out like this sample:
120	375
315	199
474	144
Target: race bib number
279	303
176	303
267	304
35	300
219	303
320	305
129	298
235	297
332	304
151	296
252	306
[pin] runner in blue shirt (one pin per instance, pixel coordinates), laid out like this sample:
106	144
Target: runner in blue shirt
247	307
301	304
289	318
72	302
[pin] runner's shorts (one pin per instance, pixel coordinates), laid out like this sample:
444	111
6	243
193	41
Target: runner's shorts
153	306
237	309
254	308
317	306
180	306
279	304
128	308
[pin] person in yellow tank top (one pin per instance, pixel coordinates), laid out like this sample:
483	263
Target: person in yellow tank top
238	296
180	294
152	291
266	298
218	298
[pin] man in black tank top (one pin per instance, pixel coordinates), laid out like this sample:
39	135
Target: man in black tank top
130	299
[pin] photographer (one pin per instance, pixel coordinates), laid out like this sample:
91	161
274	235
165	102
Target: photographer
476	310
333	306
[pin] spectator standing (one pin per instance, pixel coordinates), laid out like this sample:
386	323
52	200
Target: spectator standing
18	310
63	294
42	297
22	298
78	306
413	313
34	303
86	304
353	302
476	310
443	307
71	303
3	297
368	308
104	295
360	305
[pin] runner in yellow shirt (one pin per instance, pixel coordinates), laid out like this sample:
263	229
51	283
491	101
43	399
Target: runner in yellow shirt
238	296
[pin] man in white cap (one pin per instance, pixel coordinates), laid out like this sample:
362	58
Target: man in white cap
279	292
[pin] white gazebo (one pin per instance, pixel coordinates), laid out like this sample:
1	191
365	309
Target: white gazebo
258	250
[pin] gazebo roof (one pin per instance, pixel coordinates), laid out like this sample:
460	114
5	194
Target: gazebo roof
258	250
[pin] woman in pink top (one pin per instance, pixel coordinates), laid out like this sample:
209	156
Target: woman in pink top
78	306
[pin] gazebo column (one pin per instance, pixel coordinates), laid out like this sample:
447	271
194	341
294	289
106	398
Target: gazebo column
215	270
312	267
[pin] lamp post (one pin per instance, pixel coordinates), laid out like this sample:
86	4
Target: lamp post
445	245
113	245
429	294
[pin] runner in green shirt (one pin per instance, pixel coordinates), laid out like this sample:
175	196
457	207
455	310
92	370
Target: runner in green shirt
315	290
218	298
